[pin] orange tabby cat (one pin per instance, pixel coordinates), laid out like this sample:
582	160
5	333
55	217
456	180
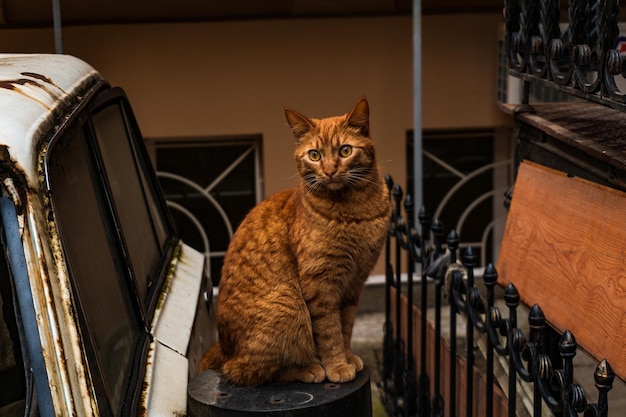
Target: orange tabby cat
295	268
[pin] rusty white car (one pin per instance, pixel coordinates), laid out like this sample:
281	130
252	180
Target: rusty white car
104	309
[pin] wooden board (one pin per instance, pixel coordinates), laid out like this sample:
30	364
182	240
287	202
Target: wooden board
564	248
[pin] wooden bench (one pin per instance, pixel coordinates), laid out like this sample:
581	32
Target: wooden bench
564	249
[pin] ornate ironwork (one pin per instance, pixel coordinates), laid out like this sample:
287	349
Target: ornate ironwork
530	356
581	59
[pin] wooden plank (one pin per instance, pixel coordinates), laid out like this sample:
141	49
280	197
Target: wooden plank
564	248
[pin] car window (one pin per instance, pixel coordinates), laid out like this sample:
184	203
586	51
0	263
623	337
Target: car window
117	240
143	236
95	261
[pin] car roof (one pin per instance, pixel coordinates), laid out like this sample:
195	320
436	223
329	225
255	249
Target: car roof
35	90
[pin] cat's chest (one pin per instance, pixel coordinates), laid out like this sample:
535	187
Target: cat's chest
320	234
351	227
335	232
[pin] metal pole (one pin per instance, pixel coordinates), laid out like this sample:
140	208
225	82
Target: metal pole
56	19
417	104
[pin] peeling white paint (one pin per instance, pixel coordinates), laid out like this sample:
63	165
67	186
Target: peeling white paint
33	88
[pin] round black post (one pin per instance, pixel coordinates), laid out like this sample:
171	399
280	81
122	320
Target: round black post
210	395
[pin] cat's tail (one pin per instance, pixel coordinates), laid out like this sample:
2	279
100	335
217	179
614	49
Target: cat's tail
213	358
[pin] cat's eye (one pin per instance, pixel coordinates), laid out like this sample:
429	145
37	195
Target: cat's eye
314	155
345	151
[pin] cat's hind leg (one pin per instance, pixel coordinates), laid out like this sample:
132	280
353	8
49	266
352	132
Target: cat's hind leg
248	371
212	358
277	345
258	363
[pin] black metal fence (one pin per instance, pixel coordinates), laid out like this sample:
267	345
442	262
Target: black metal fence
578	55
424	375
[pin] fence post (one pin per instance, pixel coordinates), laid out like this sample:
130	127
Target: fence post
604	377
412	238
424	380
387	327
398	369
469	260
490	278
453	246
437	401
511	298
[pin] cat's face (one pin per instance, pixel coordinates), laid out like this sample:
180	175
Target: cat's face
335	153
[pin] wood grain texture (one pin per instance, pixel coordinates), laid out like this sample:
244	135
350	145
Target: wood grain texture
564	249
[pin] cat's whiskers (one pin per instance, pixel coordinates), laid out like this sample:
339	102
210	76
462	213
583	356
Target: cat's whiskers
296	175
360	174
311	182
312	187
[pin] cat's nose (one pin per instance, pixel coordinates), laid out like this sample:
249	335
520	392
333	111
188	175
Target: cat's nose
330	169
330	172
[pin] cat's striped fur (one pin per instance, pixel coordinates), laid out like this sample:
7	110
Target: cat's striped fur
295	268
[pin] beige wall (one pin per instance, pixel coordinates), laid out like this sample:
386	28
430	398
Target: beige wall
459	56
234	77
226	78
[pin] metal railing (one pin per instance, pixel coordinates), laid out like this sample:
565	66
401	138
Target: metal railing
579	57
430	378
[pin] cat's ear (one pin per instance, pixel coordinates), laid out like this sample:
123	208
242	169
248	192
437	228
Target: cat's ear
359	117
298	123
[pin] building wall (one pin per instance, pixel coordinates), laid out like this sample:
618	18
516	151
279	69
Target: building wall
228	78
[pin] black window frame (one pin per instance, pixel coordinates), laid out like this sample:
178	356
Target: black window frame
152	184
144	309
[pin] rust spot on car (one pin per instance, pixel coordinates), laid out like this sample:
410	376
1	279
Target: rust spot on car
37	76
34	80
4	154
13	86
43	78
12	178
171	273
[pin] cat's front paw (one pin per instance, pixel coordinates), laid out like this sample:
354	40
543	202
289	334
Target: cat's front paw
356	361
312	374
341	373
